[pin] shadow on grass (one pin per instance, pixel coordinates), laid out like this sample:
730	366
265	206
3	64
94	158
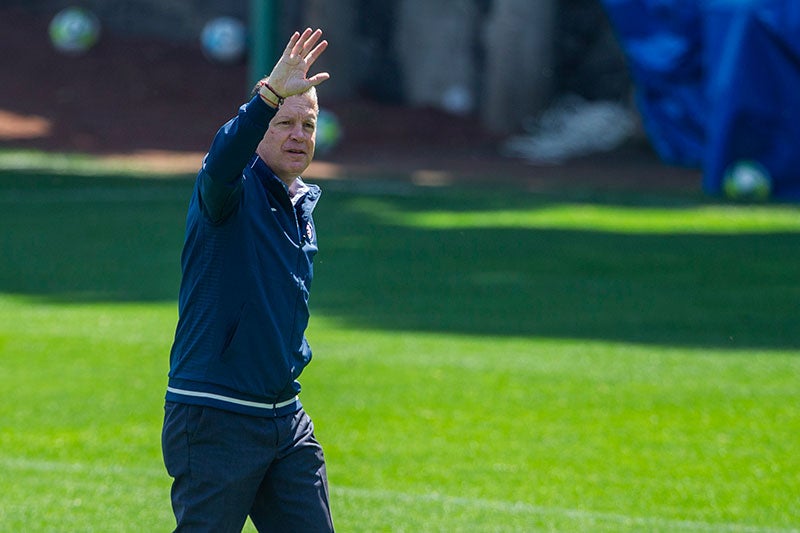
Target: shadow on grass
70	238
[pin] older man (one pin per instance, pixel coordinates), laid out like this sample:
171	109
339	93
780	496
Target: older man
236	439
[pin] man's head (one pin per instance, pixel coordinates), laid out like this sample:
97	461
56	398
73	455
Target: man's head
288	146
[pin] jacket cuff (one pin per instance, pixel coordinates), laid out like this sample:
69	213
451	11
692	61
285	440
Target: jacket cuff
258	111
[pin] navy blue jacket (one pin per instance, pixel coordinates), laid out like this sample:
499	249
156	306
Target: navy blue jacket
247	268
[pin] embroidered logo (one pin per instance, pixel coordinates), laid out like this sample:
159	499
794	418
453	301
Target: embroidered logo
309	231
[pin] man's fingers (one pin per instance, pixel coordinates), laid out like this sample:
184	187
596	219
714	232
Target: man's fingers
289	75
316	52
306	42
312	40
316	79
291	44
297	50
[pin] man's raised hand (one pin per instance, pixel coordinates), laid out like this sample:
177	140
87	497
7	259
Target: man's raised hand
289	76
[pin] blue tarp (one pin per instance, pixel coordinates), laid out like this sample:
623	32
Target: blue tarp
717	81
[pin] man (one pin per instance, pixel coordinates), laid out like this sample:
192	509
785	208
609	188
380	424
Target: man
236	439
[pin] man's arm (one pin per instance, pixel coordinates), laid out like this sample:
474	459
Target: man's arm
234	144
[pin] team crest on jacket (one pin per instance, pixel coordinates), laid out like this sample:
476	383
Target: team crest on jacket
309	231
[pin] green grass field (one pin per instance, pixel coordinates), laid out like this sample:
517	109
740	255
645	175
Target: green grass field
485	360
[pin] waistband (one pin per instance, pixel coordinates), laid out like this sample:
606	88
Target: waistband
230	403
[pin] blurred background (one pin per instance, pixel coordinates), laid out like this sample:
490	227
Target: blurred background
437	88
446	87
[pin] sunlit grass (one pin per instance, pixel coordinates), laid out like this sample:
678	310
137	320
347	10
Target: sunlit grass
709	219
60	163
482	361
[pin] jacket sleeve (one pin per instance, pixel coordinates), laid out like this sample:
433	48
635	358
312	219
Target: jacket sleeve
220	178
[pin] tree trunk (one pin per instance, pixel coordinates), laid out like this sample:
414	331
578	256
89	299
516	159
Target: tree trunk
435	45
518	73
338	22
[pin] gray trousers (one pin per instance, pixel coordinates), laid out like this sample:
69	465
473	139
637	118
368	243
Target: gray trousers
227	466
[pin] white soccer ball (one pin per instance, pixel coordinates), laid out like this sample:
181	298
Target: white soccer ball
747	180
224	39
74	30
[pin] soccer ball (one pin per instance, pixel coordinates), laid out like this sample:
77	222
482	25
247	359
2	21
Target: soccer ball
224	39
74	30
329	131
747	180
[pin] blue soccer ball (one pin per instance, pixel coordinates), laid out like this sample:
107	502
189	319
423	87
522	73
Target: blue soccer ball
329	131
747	180
74	30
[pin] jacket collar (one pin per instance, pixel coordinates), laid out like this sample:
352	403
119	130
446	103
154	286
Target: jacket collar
307	194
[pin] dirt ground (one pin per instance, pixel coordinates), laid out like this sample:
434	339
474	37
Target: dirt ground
161	103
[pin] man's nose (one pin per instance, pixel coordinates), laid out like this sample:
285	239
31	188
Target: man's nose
298	133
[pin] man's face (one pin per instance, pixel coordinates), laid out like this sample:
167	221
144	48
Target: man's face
288	145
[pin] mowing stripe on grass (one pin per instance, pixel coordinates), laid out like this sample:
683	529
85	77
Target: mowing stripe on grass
82	195
23	464
521	508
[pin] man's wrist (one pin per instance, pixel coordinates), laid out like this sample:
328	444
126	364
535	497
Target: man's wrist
268	94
